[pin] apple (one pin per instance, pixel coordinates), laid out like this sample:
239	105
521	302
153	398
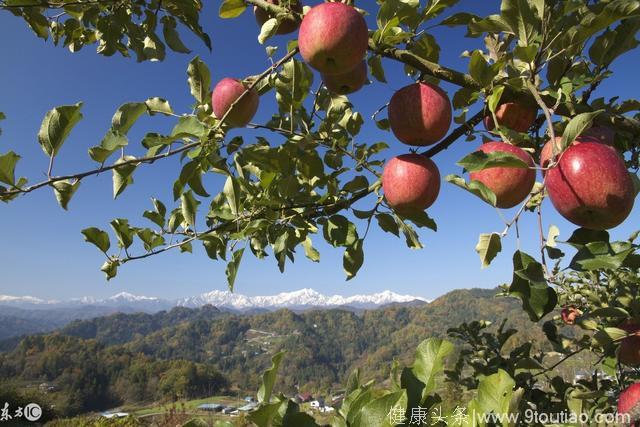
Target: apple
590	186
411	183
510	185
629	350
570	314
420	114
629	403
286	26
547	151
226	92
349	82
512	115
333	38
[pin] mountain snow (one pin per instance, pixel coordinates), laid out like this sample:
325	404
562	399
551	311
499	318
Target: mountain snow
303	298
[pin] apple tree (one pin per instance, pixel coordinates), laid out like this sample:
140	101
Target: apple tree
546	134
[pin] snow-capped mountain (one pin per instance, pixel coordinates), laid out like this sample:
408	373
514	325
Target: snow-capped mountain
299	300
16	301
296	299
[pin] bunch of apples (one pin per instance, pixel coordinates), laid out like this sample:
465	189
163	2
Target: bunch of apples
588	183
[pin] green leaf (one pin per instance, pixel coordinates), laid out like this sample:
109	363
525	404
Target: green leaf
188	126
232	194
613	43
265	414
125	117
474	187
158	105
309	251
489	245
429	362
409	233
480	69
124	232
64	190
122	176
490	24
269	378
575	127
530	286
339	231
583	236
171	36
460	18
7	167
97	237
268	30
232	8
601	255
353	259
189	207
376	69
158	215
111	142
376	412
56	126
387	223
494	393
521	18
436	7
359	182
494	99
552	235
200	78
150	238
420	219
110	269
479	160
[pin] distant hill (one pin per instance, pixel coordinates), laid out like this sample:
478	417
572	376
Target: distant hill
323	345
29	315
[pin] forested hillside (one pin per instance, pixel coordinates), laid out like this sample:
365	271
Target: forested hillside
98	363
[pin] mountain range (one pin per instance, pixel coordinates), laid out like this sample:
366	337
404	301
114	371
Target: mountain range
303	298
21	315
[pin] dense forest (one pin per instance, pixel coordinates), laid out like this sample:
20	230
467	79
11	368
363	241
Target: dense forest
127	358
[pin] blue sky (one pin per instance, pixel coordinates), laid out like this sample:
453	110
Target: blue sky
42	252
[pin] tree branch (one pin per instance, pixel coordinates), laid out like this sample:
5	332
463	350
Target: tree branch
317	210
151	159
425	66
457	133
621	122
55	5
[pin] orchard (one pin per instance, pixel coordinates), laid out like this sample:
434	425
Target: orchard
540	133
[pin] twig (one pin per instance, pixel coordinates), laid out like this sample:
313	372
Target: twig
457	133
54	5
151	159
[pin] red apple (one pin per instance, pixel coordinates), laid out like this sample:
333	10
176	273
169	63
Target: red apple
333	38
547	151
512	115
226	92
510	185
411	183
286	26
629	350
420	114
349	82
591	186
629	403
570	314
